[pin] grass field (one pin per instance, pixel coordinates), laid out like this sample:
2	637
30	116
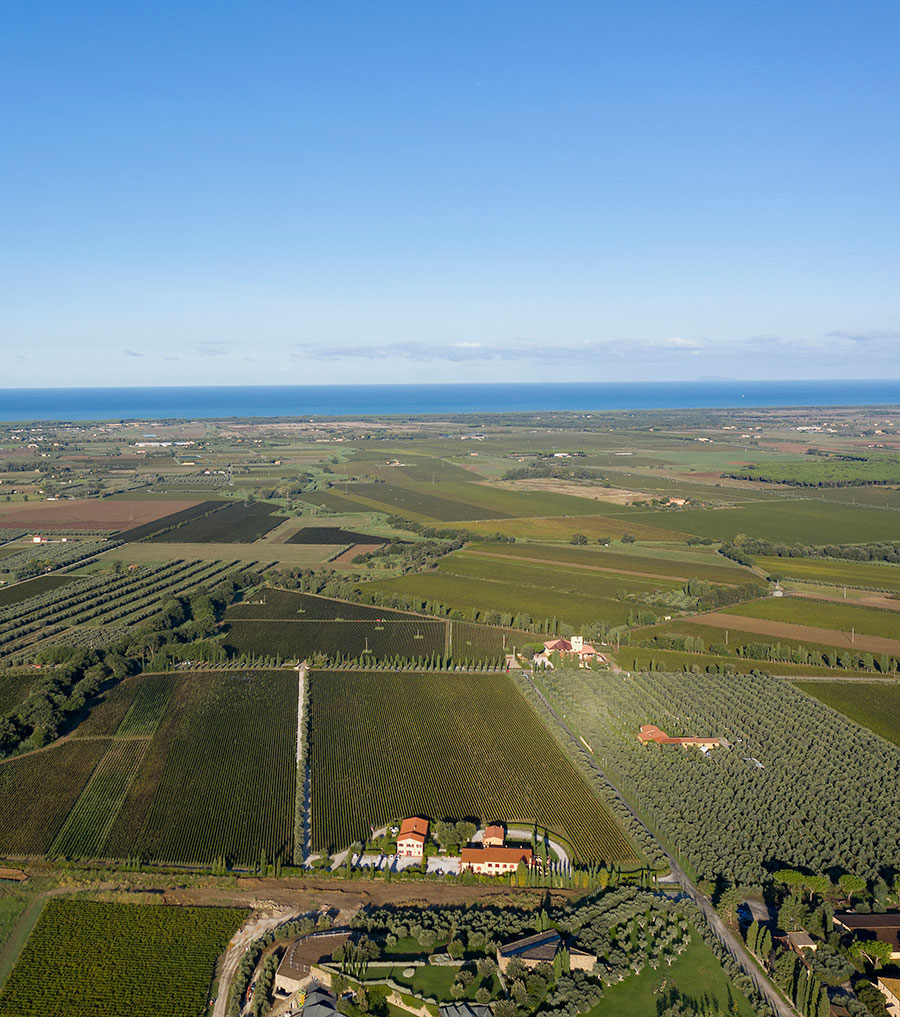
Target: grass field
287	554
86	959
793	521
602	558
442	746
696	975
477	585
823	614
875	705
218	777
840	573
592	526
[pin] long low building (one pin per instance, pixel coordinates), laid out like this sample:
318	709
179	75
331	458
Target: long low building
884	927
651	733
542	948
494	861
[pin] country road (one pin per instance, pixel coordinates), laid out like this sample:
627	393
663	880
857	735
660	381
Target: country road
734	944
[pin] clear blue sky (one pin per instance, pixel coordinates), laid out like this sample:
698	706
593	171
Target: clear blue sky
293	192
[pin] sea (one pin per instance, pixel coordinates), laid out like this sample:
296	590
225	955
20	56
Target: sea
304	401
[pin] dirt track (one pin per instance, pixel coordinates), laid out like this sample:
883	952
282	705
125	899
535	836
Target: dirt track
803	633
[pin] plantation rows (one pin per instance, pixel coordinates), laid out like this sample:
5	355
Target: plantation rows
282	604
386	745
158	526
87	959
33	560
38	791
823	797
18	592
236	523
332	535
131	599
219	775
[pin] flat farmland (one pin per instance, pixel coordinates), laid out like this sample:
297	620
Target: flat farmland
38	791
824	614
478	585
875	705
88	514
238	523
88	959
606	560
421	505
638	658
332	535
565	527
219	774
793	521
805	635
288	605
384	746
13	689
334	501
865	575
18	592
151	553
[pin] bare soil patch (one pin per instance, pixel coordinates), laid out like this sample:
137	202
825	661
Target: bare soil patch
614	495
803	633
88	514
352	553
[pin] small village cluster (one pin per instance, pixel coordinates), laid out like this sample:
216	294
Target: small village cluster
490	858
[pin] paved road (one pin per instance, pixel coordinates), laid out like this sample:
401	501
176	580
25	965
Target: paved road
734	944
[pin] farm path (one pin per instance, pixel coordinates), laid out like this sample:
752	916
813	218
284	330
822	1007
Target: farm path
253	928
573	565
733	943
805	633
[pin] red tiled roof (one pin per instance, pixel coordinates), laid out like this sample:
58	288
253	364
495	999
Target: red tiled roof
494	830
651	733
414	825
496	854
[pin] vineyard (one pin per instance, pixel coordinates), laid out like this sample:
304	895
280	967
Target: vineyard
86	959
332	535
875	705
383	746
32	588
236	523
822	614
793	786
170	521
219	775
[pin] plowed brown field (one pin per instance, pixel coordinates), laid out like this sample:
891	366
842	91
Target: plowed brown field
805	633
88	514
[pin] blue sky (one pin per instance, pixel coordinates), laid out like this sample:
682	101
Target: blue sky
338	191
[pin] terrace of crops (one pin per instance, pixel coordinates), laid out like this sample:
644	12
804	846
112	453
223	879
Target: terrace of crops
298	625
478	586
458	746
164	767
819	614
88	959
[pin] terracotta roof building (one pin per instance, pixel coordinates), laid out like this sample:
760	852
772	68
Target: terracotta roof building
411	838
651	733
494	835
575	647
494	861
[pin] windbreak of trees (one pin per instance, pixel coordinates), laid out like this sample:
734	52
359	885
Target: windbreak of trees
743	551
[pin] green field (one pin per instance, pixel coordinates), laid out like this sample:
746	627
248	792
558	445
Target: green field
442	746
592	526
792	521
840	573
13	689
875	705
479	585
681	568
694	975
86	959
823	614
636	658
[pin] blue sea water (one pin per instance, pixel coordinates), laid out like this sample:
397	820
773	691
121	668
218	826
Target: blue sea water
404	400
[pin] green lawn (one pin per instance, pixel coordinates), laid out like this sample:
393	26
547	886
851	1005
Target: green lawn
695	975
875	705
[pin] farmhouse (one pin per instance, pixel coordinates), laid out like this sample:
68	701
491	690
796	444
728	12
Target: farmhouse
890	989
651	733
575	648
885	928
465	1010
294	970
411	838
542	948
494	835
319	1003
494	861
